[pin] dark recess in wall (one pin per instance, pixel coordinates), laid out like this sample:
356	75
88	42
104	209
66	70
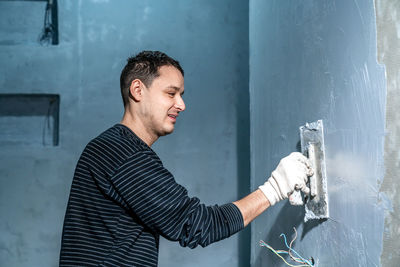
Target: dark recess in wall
27	119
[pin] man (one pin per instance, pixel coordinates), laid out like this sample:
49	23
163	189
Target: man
122	198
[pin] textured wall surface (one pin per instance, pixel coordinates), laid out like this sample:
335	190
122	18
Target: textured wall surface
309	60
96	36
388	26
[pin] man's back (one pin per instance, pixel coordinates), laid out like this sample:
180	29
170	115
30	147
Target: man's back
97	228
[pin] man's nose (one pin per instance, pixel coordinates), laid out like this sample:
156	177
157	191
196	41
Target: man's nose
180	104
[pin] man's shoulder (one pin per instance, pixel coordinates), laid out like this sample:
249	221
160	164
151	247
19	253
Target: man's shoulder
111	149
117	139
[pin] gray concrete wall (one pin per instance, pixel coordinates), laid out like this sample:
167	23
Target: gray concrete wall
388	29
208	153
314	60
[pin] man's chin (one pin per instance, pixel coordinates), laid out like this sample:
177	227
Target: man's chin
167	132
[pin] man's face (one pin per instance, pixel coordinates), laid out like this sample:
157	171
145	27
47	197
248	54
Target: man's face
162	101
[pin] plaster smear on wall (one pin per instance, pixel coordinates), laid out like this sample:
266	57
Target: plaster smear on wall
350	172
388	32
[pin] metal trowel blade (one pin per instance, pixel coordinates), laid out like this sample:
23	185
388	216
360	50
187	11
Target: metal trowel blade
312	146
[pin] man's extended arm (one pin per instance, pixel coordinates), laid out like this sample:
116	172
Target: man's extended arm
252	205
291	174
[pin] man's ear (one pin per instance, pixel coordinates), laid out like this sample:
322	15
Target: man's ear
135	90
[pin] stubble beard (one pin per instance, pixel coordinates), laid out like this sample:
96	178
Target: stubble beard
157	128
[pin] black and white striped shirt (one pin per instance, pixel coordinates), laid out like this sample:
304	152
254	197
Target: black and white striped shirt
122	199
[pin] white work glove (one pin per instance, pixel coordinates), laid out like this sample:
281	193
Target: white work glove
291	174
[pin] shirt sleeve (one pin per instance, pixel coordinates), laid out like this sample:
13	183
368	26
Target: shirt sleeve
144	187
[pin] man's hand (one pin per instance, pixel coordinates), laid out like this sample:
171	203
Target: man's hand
291	174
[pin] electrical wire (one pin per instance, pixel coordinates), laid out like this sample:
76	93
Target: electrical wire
278	252
291	242
291	249
299	259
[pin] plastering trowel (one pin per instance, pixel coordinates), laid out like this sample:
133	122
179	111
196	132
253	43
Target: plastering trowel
312	146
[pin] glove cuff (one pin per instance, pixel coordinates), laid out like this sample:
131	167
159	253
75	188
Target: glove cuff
270	192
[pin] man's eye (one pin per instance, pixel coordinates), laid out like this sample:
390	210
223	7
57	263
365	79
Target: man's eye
171	94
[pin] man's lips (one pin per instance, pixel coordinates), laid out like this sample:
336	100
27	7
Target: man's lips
173	117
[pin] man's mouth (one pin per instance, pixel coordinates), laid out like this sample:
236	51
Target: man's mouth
173	117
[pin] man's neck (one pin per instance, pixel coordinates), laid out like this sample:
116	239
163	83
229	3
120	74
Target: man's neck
138	128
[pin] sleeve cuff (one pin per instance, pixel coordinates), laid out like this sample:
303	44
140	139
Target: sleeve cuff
233	218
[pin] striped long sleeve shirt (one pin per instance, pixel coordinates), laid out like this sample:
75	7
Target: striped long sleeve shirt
122	199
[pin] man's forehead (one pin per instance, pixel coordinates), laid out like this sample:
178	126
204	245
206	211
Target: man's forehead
168	69
170	77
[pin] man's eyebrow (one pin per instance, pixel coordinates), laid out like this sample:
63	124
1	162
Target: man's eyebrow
176	88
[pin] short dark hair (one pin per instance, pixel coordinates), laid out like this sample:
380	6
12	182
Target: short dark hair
144	66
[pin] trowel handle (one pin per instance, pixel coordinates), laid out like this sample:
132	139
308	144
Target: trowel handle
313	159
295	198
